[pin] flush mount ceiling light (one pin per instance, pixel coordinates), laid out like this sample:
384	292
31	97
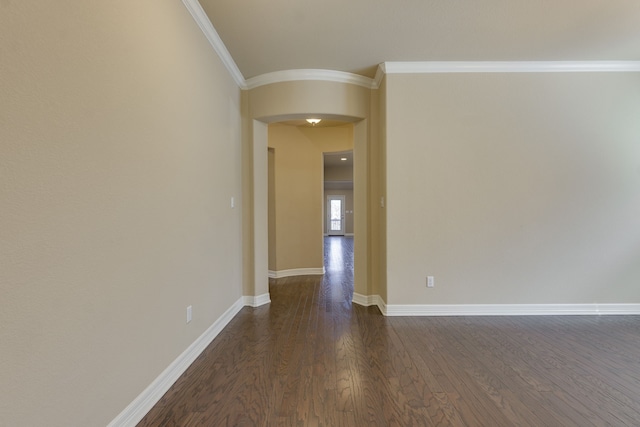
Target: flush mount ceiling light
313	121
343	158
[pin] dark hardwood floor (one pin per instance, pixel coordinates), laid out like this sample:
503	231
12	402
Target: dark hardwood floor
311	358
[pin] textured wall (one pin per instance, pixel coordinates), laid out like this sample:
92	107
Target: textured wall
119	153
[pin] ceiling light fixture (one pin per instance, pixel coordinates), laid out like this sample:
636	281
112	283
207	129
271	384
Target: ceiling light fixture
343	158
314	121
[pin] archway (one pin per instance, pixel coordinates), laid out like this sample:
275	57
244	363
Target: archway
260	205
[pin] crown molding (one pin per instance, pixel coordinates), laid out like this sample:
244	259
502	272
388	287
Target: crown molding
214	39
417	67
508	67
310	74
380	72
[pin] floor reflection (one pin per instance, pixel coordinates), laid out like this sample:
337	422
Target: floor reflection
334	253
338	263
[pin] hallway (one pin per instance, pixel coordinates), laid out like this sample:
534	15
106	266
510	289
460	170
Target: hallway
311	358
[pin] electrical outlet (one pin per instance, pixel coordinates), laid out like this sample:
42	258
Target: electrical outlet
233	202
430	282
189	313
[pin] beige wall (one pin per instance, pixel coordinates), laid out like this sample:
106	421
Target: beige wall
513	188
338	173
298	188
271	158
119	153
280	101
363	144
378	186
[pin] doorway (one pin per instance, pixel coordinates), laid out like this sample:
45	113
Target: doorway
258	269
335	215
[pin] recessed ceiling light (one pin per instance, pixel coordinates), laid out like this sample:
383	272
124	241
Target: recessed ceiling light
343	158
314	121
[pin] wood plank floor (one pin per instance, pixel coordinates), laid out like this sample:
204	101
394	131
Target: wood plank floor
311	358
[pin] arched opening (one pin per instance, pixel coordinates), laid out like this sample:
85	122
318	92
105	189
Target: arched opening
297	194
262	226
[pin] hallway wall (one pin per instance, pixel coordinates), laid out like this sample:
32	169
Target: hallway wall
513	188
119	154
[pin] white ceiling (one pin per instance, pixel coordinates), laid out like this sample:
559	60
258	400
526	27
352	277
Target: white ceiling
335	159
356	35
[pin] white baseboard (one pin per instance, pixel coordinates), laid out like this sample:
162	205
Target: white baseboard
296	272
256	301
142	404
511	309
365	300
368	300
495	309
